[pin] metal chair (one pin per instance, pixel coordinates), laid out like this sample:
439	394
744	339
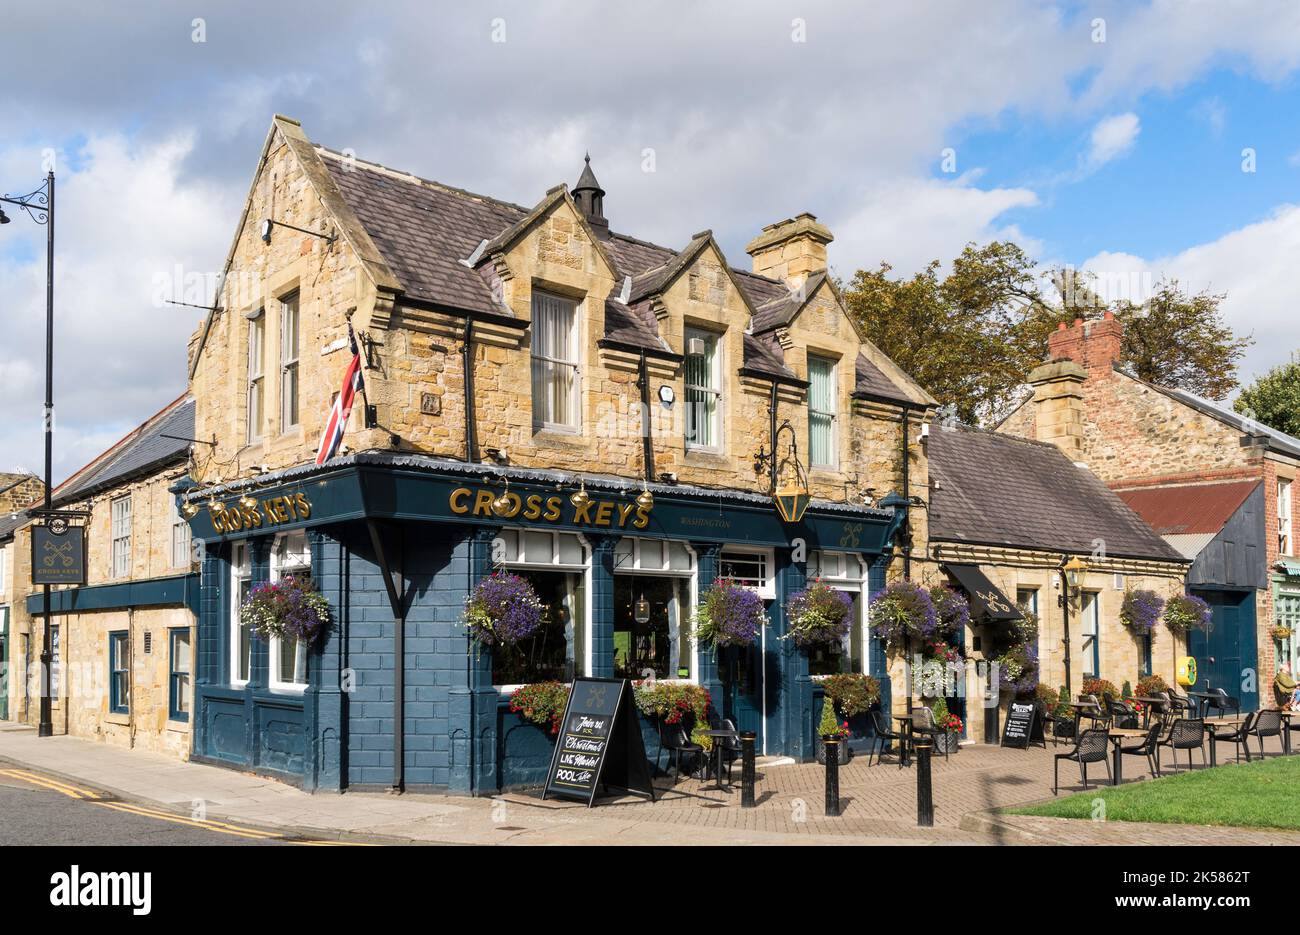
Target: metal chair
883	736
1148	747
730	747
1186	734
673	739
1237	735
923	723
1268	723
1092	747
1121	713
1097	715
1181	704
1221	701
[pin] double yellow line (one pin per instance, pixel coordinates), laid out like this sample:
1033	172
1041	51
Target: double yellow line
89	795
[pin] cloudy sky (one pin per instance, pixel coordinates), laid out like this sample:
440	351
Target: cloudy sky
1135	139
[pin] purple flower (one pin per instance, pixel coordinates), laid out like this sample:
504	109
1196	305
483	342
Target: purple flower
901	610
1141	610
730	615
503	609
818	614
1186	612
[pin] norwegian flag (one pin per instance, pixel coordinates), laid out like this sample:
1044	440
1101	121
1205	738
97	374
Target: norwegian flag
332	436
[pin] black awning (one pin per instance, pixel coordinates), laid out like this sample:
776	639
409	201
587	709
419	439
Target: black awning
985	598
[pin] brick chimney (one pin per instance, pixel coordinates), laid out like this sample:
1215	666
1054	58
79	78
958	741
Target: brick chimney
791	250
1094	345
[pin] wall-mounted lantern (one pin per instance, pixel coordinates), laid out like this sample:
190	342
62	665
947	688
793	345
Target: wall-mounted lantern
791	494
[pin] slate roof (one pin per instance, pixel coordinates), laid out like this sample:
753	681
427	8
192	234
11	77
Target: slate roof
10	522
142	451
999	490
872	382
424	229
1190	508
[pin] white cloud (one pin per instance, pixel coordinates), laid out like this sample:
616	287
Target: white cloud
1254	265
1112	138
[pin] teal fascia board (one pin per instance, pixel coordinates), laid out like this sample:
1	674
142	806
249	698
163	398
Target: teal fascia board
173	591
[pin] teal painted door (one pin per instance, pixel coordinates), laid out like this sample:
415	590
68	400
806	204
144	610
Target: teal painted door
1226	656
742	679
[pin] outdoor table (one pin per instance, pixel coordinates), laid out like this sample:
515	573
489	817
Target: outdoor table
1286	730
1213	722
1201	699
718	736
1117	736
1082	706
1147	705
905	723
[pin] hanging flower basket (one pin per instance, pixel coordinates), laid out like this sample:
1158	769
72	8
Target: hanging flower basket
852	692
1018	669
951	610
1140	611
1281	633
818	614
729	615
290	607
502	611
902	610
1187	612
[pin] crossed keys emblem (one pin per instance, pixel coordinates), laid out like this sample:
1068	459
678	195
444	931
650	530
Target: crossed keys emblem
61	553
850	535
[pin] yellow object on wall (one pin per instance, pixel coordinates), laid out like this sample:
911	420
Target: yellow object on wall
1187	671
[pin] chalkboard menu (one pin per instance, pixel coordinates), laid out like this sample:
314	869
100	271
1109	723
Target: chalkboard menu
599	746
1023	726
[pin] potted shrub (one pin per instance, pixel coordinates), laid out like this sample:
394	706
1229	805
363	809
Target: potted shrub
831	727
1150	685
818	614
729	615
950	740
1140	610
1063	716
503	610
1102	688
901	611
290	607
541	703
1187	612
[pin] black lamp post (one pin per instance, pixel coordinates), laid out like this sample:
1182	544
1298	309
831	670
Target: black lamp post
39	206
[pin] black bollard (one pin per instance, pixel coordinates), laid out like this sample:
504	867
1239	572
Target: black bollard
747	738
924	794
832	776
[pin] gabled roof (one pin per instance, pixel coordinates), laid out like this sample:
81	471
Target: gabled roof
780	311
1188	509
999	490
143	451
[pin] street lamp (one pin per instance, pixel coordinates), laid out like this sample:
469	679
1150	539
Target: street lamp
39	206
1072	572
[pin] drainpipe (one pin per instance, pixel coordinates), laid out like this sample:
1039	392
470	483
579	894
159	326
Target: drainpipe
647	445
467	367
1065	621
905	536
771	436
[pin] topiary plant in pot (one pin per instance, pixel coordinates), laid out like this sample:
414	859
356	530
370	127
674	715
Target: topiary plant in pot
831	726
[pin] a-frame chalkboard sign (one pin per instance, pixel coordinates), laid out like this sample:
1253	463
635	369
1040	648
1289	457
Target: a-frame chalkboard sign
1023	726
599	747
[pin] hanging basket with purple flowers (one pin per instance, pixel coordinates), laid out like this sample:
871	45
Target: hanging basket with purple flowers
290	607
902	610
818	614
503	610
1140	610
1187	612
951	610
729	615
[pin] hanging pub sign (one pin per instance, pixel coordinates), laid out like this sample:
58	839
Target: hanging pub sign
1023	726
599	747
58	553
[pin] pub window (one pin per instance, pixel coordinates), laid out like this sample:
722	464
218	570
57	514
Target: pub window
556	565
121	532
256	382
749	568
846	573
703	390
1027	598
1091	618
179	666
1145	650
652	609
119	674
180	538
821	412
1283	516
288	361
555	362
241	582
288	654
56	665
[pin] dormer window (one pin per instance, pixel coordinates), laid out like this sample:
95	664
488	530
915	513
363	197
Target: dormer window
556	387
821	412
703	390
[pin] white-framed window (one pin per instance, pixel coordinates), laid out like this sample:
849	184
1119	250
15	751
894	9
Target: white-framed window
703	390
654	579
821	412
289	361
288	654
256	377
846	572
634	555
1028	599
556	374
749	568
121	535
558	566
181	557
241	635
1090	624
56	660
1284	543
4	569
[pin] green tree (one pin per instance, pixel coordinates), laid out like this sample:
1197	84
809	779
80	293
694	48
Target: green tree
1274	398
